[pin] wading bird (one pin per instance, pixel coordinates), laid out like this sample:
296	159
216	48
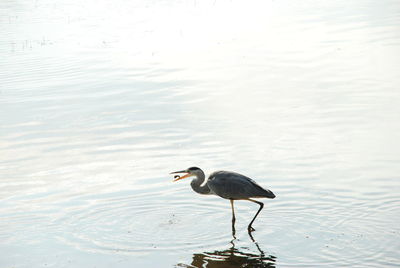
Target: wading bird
228	185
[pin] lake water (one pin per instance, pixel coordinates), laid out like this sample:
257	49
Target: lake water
100	100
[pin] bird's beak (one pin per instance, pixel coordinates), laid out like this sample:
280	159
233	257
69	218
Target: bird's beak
181	171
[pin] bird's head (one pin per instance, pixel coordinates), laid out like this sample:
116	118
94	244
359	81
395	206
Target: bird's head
192	171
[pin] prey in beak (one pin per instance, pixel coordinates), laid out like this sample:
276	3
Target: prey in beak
178	177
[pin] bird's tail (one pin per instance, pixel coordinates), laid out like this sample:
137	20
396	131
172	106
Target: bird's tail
269	194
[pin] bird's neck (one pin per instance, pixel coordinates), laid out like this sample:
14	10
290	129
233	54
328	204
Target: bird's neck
197	182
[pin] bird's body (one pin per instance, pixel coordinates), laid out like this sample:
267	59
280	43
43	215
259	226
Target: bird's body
228	185
232	185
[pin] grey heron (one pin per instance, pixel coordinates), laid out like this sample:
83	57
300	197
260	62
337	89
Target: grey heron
228	185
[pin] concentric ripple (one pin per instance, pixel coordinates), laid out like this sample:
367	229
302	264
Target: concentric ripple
331	233
134	224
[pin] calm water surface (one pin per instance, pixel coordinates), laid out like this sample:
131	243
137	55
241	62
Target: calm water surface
100	100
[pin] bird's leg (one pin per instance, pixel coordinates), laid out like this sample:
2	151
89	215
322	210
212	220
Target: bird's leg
233	212
233	219
250	229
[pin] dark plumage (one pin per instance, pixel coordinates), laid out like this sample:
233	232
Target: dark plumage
232	185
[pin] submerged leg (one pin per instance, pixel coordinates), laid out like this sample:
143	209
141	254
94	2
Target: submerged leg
261	207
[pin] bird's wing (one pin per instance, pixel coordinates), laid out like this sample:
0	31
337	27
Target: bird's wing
232	185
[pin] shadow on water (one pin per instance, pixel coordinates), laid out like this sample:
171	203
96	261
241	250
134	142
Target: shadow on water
232	257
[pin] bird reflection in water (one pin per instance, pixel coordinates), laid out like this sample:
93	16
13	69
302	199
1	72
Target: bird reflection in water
231	257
